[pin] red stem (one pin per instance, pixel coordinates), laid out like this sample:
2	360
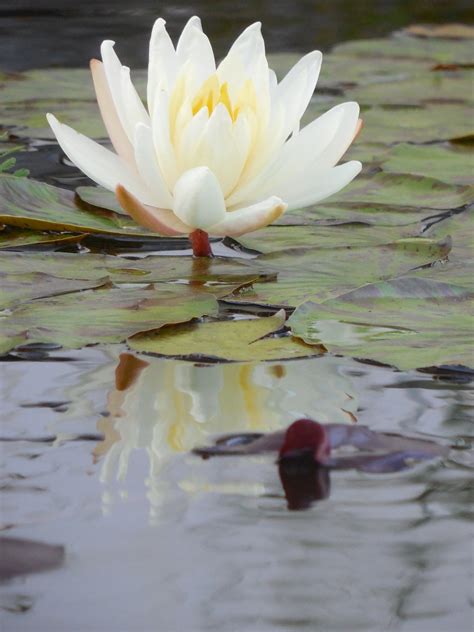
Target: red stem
200	243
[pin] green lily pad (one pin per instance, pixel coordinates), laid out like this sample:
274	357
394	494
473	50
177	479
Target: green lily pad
409	323
30	204
217	275
106	315
21	288
101	198
405	190
68	93
416	124
344	235
445	163
320	274
402	47
432	87
234	340
19	238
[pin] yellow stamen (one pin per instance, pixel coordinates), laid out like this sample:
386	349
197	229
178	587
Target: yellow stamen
211	93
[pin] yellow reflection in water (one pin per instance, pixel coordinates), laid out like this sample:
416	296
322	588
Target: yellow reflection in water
166	406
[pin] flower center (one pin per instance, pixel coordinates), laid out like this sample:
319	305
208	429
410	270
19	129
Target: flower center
211	93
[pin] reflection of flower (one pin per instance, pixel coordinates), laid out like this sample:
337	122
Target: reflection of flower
218	148
167	406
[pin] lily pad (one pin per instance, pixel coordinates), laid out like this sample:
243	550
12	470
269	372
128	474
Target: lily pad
403	47
234	340
416	124
432	87
405	190
445	163
409	323
20	238
100	197
27	203
20	288
105	315
320	274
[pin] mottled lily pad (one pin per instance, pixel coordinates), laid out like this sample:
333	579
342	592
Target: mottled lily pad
445	163
27	203
13	238
409	323
105	315
234	340
320	274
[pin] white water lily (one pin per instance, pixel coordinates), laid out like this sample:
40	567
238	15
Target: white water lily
218	148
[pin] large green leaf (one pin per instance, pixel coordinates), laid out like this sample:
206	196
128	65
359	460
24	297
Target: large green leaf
403	47
445	163
101	198
234	340
13	238
27	203
410	323
320	274
105	315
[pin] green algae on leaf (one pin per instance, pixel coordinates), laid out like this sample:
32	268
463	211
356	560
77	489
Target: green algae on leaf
233	340
409	323
105	315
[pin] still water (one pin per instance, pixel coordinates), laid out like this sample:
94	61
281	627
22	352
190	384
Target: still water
157	539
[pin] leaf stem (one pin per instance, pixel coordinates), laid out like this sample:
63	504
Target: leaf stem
200	243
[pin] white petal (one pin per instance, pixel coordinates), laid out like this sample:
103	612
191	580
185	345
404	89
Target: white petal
198	199
109	113
317	147
324	185
195	47
162	140
134	109
218	150
296	89
149	168
189	139
250	218
158	220
97	162
124	103
162	62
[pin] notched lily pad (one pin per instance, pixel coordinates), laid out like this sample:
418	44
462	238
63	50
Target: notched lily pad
105	315
233	340
409	323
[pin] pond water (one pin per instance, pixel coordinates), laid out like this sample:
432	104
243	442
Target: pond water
96	443
158	539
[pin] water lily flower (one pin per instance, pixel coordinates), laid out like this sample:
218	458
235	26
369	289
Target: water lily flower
218	149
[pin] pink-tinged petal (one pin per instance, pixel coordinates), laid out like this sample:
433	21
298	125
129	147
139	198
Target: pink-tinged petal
158	220
250	218
360	125
112	123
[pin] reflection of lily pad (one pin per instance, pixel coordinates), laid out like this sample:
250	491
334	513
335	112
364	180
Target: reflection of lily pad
106	315
235	340
410	323
447	164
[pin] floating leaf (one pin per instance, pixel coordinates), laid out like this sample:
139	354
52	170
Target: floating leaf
100	197
106	315
444	31
27	203
19	238
234	340
434	50
454	166
320	274
410	323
